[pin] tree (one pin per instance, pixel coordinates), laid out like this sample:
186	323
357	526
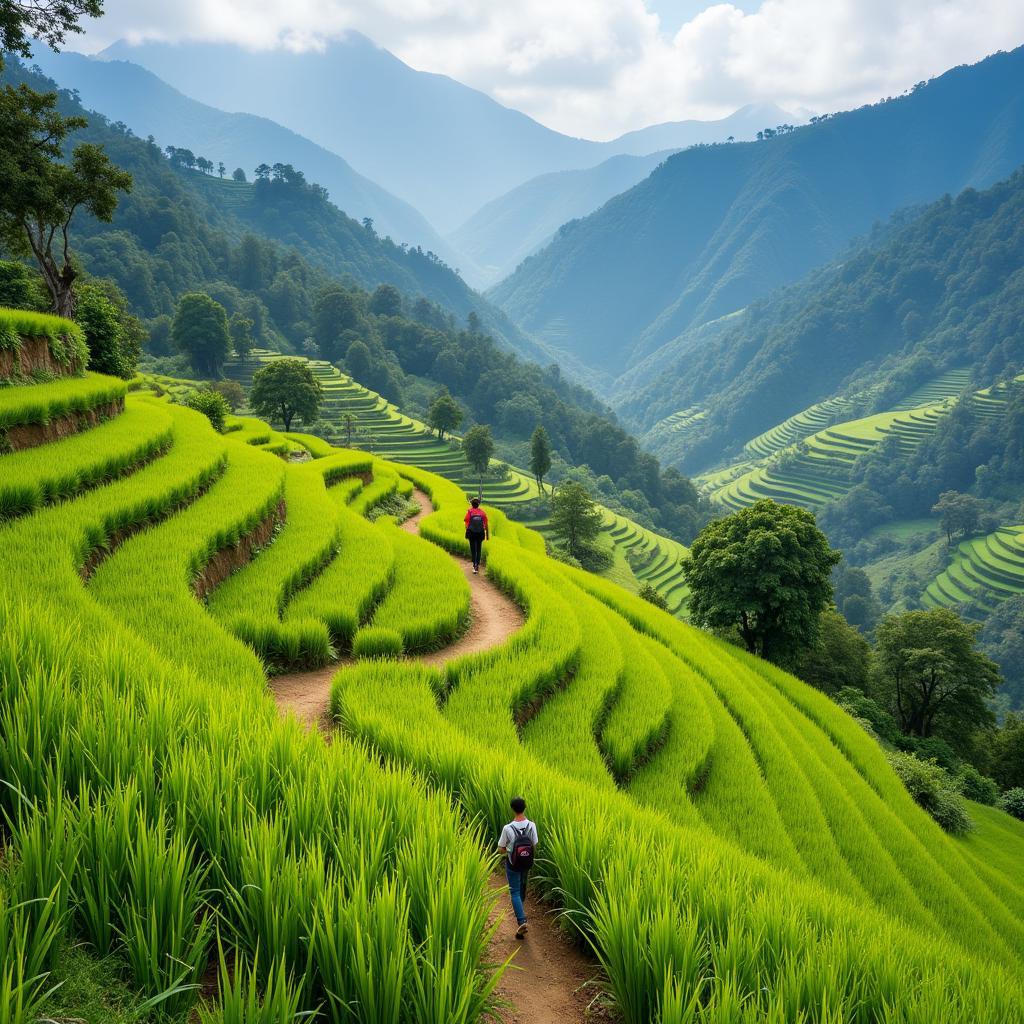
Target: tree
386	300
540	456
200	330
284	389
240	332
575	519
42	192
478	446
232	392
48	20
358	361
840	658
444	414
334	312
960	513
113	335
349	423
221	169
766	572
935	681
238	175
20	288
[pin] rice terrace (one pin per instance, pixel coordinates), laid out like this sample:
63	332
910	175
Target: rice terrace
626	633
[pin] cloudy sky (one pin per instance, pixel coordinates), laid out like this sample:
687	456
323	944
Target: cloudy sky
600	67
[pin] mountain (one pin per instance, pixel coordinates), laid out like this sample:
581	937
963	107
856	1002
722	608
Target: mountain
129	93
438	144
939	288
715	227
506	230
742	125
179	231
443	147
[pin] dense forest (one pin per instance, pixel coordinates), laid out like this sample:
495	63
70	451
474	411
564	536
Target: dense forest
935	289
275	252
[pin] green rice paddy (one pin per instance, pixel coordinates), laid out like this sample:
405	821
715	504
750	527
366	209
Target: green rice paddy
726	843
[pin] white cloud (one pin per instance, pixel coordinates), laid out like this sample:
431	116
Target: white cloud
600	67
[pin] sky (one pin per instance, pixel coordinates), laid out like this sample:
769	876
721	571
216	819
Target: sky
597	68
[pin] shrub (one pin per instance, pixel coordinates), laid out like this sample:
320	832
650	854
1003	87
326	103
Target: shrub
648	593
212	405
233	392
934	789
1012	801
976	786
377	642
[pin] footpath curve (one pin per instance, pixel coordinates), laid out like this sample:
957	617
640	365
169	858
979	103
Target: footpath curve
550	980
493	618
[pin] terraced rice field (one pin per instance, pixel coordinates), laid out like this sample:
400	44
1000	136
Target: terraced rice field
803	424
381	428
388	433
949	385
728	844
982	572
991	401
817	470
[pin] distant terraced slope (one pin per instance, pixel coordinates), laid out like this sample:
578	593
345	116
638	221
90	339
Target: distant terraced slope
983	572
381	428
816	470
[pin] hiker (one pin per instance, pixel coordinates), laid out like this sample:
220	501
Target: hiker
518	842
477	530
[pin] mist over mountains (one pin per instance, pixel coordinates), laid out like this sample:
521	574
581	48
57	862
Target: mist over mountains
443	147
149	106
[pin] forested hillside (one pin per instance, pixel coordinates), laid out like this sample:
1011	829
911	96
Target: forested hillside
130	94
277	253
939	288
176	231
714	228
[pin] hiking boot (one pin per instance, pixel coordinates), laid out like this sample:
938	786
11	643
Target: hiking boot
521	930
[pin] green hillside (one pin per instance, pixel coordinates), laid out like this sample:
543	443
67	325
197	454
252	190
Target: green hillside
934	300
726	840
717	227
642	556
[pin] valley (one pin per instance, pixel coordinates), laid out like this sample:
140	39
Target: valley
515	519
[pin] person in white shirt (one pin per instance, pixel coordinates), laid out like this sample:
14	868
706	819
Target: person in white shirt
518	844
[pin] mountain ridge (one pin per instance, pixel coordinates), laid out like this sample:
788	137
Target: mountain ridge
715	227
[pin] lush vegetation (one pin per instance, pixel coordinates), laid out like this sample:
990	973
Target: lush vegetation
936	290
153	783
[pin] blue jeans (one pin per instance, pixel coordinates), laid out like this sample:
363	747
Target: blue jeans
517	889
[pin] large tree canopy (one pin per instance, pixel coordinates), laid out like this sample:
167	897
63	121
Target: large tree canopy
48	20
935	681
766	572
284	389
200	330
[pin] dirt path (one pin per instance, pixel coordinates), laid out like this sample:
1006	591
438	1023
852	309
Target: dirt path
493	617
550	981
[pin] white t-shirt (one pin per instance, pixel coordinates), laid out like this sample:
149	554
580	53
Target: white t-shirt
510	831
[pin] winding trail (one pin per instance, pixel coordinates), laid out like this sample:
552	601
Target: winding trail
550	980
493	618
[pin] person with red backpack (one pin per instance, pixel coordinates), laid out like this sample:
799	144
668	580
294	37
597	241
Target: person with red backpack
477	530
518	842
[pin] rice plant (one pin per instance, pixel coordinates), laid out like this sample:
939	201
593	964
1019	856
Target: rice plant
377	642
39	404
